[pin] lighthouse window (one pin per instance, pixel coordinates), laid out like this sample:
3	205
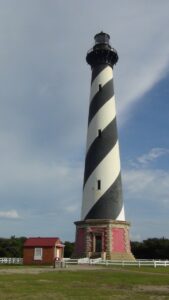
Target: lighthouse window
99	133
99	184
100	87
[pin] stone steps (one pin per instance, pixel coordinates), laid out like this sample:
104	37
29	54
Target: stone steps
120	256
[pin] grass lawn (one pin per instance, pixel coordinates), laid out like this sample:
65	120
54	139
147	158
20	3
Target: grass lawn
121	283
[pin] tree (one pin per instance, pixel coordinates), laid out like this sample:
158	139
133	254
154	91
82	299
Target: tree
152	248
12	247
69	247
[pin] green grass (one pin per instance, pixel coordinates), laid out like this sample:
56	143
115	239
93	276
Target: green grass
128	283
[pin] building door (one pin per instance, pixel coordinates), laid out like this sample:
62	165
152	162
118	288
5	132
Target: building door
57	253
98	243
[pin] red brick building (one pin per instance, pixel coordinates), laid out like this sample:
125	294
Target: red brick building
42	251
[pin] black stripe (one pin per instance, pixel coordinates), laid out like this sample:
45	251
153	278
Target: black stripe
100	99
97	70
110	204
100	148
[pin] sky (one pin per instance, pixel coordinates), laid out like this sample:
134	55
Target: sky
44	99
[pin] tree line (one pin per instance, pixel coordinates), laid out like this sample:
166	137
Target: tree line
12	247
152	248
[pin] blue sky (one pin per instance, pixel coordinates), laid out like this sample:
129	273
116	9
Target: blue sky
44	92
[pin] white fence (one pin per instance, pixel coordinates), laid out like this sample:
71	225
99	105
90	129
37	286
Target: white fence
11	261
99	261
138	263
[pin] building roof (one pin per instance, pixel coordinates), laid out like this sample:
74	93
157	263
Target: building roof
43	242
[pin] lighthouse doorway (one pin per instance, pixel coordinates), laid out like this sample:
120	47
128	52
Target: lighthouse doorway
98	243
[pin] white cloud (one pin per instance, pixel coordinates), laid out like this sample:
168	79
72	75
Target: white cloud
10	214
152	155
72	208
146	197
146	158
147	184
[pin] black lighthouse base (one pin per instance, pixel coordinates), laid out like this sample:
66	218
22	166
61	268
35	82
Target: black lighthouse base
108	239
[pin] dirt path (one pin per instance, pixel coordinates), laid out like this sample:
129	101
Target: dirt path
37	270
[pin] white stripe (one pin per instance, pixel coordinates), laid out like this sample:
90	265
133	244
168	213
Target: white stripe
107	171
102	78
121	216
100	121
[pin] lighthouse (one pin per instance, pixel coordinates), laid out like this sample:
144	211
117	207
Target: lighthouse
102	230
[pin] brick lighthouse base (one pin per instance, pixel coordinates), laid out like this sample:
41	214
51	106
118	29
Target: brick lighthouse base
108	239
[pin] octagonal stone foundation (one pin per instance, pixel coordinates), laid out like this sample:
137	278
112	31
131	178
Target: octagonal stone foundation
108	239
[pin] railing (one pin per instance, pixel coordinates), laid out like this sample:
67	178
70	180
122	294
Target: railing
84	260
11	260
99	261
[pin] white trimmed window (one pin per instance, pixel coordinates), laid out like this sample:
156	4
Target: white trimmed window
38	253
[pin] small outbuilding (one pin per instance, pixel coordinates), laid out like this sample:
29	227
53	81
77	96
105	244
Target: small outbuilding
42	250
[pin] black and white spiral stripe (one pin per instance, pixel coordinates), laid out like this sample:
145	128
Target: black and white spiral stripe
102	163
